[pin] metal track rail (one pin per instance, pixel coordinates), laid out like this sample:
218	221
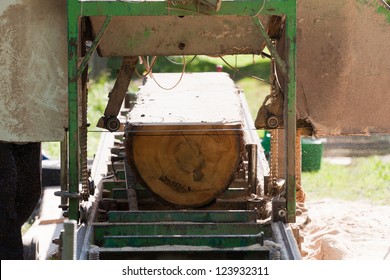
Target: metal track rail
136	234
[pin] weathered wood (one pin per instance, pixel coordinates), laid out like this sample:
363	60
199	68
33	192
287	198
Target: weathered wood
186	144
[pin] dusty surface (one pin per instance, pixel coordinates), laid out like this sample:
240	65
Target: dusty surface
129	36
343	66
344	230
33	70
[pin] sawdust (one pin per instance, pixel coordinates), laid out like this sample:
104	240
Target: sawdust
344	230
33	70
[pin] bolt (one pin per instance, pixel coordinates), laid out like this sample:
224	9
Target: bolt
272	122
181	46
282	213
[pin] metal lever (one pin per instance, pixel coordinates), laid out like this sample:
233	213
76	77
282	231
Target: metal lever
110	121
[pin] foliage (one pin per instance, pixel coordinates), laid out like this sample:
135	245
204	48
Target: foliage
97	100
364	179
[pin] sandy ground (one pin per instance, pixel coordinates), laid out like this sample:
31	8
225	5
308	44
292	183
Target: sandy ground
344	230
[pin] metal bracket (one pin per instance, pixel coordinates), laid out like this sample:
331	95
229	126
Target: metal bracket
93	47
271	47
279	211
110	121
67	195
252	168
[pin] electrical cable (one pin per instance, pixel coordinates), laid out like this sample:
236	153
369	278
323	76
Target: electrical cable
148	69
243	73
260	10
178	82
180	63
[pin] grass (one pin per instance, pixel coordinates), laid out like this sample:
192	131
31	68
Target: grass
97	100
366	178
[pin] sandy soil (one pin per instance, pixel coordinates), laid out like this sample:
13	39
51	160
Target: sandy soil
337	230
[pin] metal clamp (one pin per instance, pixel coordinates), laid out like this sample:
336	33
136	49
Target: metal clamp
279	211
67	194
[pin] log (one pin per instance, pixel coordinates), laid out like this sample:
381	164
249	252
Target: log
186	144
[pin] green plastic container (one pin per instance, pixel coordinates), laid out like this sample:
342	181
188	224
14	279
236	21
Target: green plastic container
312	151
266	142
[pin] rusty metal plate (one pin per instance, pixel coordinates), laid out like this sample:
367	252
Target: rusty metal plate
33	70
169	35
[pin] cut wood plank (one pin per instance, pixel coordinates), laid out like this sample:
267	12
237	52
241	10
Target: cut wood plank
186	144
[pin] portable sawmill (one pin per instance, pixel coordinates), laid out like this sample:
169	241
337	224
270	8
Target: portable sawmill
180	173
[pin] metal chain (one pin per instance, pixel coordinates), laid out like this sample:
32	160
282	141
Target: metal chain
84	163
274	156
300	194
274	145
83	144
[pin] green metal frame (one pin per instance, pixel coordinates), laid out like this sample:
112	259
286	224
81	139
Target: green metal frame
250	8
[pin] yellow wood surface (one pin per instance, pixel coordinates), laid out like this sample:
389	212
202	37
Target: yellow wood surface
186	165
185	144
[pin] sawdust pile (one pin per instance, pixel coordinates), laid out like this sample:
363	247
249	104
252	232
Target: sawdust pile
344	230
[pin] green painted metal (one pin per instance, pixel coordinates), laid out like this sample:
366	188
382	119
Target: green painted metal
183	253
121	174
214	241
114	184
73	108
252	8
136	229
119	193
290	119
94	46
122	194
216	216
163	8
270	46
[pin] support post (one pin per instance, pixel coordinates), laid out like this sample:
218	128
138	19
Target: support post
252	169
64	170
290	123
69	241
73	106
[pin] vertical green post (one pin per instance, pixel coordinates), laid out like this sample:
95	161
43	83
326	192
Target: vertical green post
291	129
73	104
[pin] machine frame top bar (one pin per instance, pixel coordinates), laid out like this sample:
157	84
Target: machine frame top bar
166	8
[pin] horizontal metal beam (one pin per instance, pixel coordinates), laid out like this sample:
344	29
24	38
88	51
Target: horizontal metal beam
183	252
183	216
114	184
164	8
214	241
102	230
